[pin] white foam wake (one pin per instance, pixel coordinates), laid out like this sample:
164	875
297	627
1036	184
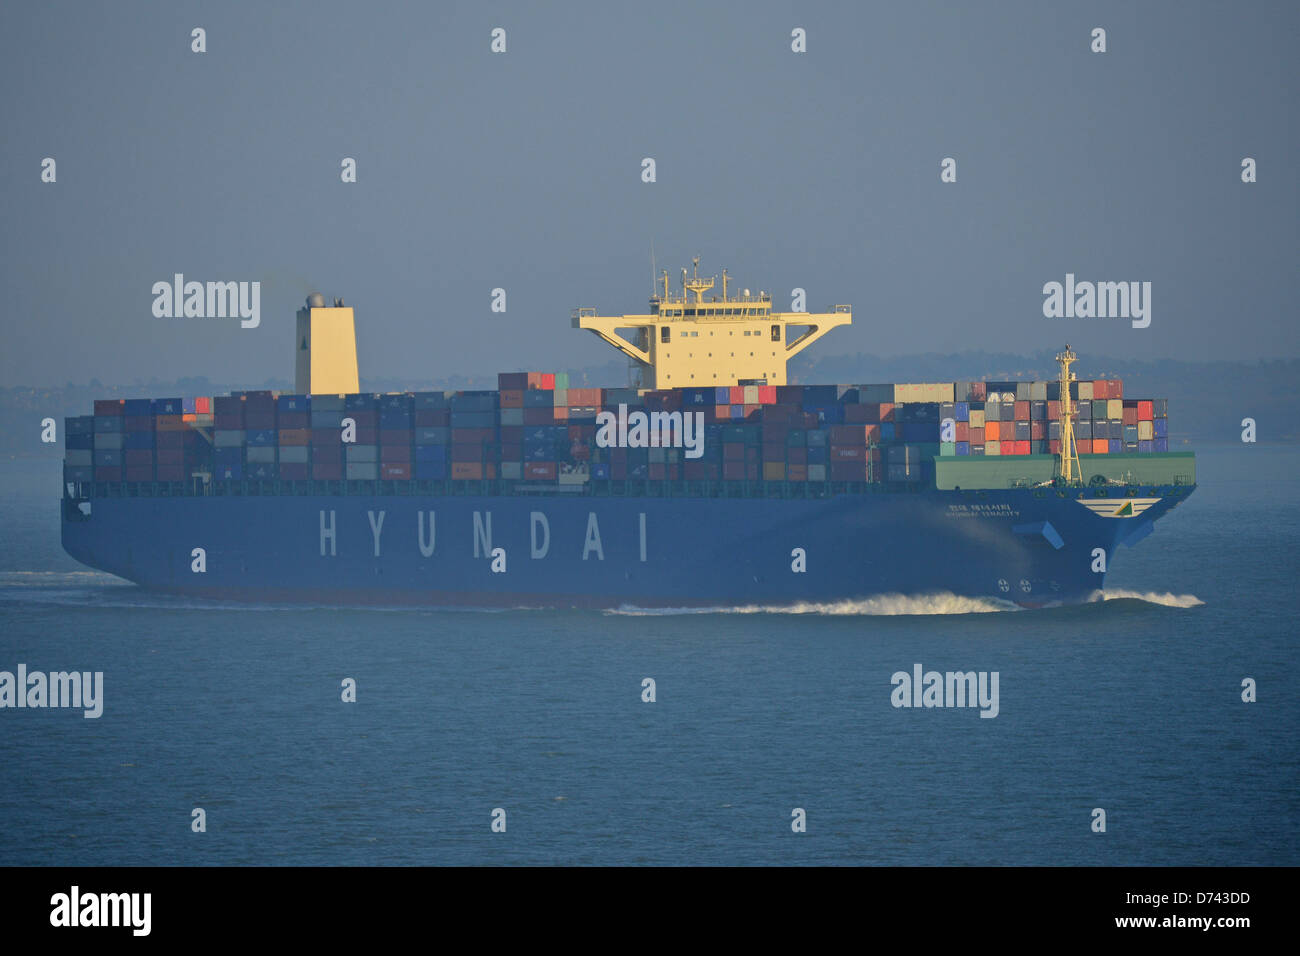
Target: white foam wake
1165	599
880	605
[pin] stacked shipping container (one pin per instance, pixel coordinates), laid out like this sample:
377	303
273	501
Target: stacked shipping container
537	428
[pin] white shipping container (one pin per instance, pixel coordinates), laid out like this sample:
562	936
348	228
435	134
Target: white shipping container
512	416
923	392
228	438
816	472
109	440
512	470
361	471
78	457
361	453
293	454
261	454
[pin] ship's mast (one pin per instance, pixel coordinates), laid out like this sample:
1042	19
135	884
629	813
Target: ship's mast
1070	467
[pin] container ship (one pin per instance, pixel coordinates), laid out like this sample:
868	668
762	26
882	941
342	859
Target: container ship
707	481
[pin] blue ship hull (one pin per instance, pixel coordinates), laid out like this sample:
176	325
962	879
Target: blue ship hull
1030	546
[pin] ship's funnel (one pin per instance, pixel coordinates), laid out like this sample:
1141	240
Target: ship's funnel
326	349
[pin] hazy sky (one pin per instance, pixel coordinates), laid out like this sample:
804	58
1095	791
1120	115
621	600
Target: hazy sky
522	170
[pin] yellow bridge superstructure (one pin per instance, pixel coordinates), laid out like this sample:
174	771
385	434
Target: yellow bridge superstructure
728	339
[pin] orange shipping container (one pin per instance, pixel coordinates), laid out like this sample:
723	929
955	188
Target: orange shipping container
169	423
294	436
466	470
1100	446
512	398
774	471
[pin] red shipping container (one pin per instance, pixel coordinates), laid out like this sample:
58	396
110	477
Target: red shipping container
137	456
513	380
171	439
108	473
773	451
797	472
294	436
656	471
1054	446
700	470
848	453
733	471
733	451
858	414
547	381
780	414
751	411
1146	411
138	423
1022	448
466	436
797	456
541	416
326	436
394	454
848	434
752	454
512	398
389	471
327	470
170	456
365	436
751	471
767	394
138	472
1037	430
1130	416
169	473
719	413
512	434
561	413
1022	411
466	470
512	452
327	453
364	417
1116	388
962	432
1053	411
736	395
775	431
259	421
203	405
618	470
978	391
109	407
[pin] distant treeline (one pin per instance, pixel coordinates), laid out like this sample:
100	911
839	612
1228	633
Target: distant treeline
1207	400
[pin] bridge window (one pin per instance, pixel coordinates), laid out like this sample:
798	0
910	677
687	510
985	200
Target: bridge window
776	333
664	333
690	311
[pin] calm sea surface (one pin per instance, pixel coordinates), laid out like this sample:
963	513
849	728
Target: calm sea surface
1132	705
